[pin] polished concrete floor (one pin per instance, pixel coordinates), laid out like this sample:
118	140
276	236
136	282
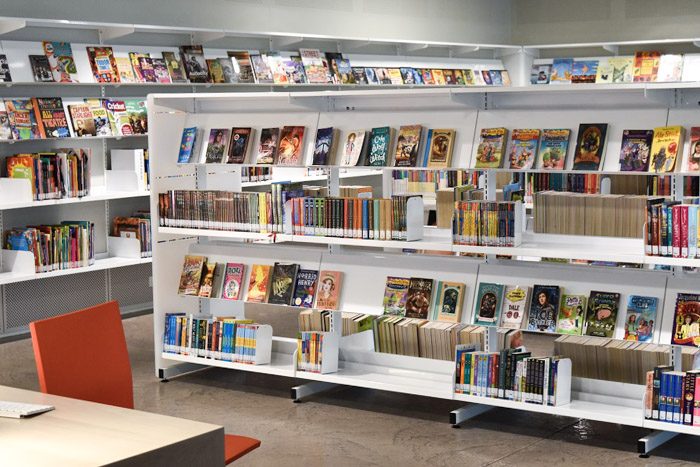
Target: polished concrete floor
353	427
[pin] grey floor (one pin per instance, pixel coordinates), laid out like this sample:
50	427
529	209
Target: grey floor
352	427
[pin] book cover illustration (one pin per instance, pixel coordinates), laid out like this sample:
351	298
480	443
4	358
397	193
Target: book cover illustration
584	71
691	67
419	298
207	285
262	71
41	70
489	153
371	76
382	75
604	75
5	76
450	78
100	116
449	300
635	150
20	113
291	145
259	283
295	69
195	64
125	70
486	77
61	61
407	145
119	117
379	146
459	77
407	75
54	121
216	71
331	60
104	67
83	123
622	69
554	145
175	68
646	66
323	146
641	318
267	147
489	299
233	281
238	148
572	314
664	148
218	283
5	129
469	78
515	301
316	72
227	69
352	149
395	295
138	117
523	148
360	75
693	161
160	68
417	76
602	311
328	293
395	76
134	59
670	68
282	283
544	308
441	145
242	66
590	146
305	288
191	275
217	145
344	71
427	77
147	71
562	70
277	68
496	77
540	74
686	320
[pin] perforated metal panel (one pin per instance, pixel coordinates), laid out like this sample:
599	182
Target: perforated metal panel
130	286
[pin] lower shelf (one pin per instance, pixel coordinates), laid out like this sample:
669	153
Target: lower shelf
663	426
280	364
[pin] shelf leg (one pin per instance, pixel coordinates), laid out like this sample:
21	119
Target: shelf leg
165	374
309	389
466	413
652	441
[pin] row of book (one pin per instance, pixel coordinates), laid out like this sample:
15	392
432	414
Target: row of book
46	117
255	174
672	396
430	181
487	223
423	298
63	173
513	374
672	229
68	245
575	183
137	226
320	321
643	67
310	348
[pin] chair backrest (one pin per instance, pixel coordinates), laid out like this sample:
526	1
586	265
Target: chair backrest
83	355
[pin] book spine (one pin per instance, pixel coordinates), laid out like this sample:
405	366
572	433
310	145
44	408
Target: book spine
696	401
683	231
688	398
663	392
648	395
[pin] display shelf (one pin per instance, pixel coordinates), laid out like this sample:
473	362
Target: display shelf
357	172
74	138
663	426
280	363
97	195
224	234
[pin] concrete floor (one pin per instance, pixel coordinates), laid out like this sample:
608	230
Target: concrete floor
352	427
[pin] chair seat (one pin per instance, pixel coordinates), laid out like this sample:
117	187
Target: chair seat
237	446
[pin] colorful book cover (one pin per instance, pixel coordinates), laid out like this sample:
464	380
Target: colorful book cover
379	146
590	146
344	71
469	78
125	69
438	77
291	145
419	298
602	311
450	78
407	145
489	153
523	148
670	68
496	77
138	116
284	277
441	145
189	135
119	117
226	66
277	66
135	59
191	275
686	320
486	77
691	70
604	74
147	70
233	281
572	314
540	74
305	288
50	112
5	75
5	128
407	75
371	76
295	69
238	148
316	72
218	283
584	71
646	66
562	69
81	118
693	163
664	148
217	145
641	318
360	75
242	66
195	64
328	293
261	70
20	166
382	75
323	146
544	308
267	147
353	147
175	68
417	76
515	301
331	60
395	295
160	68
428	77
103	127
622	69
449	299
41	70
104	67
489	300
61	61
207	285
635	150
554	145
20	113
259	284
459	77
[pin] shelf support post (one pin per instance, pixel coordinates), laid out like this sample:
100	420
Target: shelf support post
309	389
467	412
518	62
676	357
652	441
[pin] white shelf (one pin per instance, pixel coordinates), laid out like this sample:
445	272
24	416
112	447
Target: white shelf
224	234
98	196
72	139
357	172
280	364
663	426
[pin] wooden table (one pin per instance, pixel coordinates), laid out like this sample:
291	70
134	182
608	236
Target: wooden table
79	433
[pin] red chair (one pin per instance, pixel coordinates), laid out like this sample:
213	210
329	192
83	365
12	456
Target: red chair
67	367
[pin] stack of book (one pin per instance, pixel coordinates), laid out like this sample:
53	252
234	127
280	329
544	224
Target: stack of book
320	321
672	396
487	223
137	226
672	229
64	173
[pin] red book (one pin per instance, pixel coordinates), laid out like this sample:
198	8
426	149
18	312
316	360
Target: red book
676	231
684	231
696	409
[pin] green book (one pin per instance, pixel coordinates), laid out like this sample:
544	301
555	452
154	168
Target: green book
379	145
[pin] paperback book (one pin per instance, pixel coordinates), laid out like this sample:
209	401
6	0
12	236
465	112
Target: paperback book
646	66
634	153
305	288
670	68
261	70
489	153
360	75
187	142
664	148
316	72
622	69
407	145
379	146
41	70
20	113
489	300
693	161
282	283
540	74
147	71
371	76
328	293
291	145
125	70
572	314
5	76
419	298
686	320
175	68
602	311
554	146
641	318
449	299
238	148
195	64
584	71
207	285
259	283
81	118
590	146
233	281
242	66
191	276
135	59
440	146
544	308
52	117
562	70
395	295
160	68
267	147
353	148
515	301
104	67
523	148
217	145
324	147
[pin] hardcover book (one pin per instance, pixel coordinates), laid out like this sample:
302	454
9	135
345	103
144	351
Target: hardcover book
242	66
5	76
52	119
441	145
590	146
353	148
489	153
233	281
584	71
635	150
540	74
544	308
641	318
238	148
175	68
693	161
562	69
407	145
125	70
670	68
379	146
664	148
20	113
267	147
449	300
259	283
191	275
515	301
305	288
160	68
291	145
489	300
572	314
207	285
261	70
217	145
324	148
189	136
602	313
523	148
61	61
81	118
282	283
41	70
104	67
554	145
328	293
691	67
195	64
316	72
686	320
395	295
646	66
419	298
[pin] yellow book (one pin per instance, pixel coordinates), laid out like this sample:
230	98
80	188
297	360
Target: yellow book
665	146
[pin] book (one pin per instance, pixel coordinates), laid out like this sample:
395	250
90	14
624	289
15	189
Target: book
218	282
259	283
562	69
82	121
407	145
104	67
100	116
395	295
160	68
664	148
572	314
118	117
217	146
135	59
489	153
496	77
324	147
487	307
5	75
195	64
439	77
641	318
646	66
554	144
61	61
216	71
395	76
604	74
686	320
294	68
267	146
138	117
41	70
233	281
382	75
282	282
360	75
291	145
238	147
523	148
125	70
544	308
316	72
328	293
344	71
670	68
419	298
540	74
332	59
622	69
515	301
305	288
635	149
469	77
242	66
449	300
379	146
207	285
486	77
584	71
427	76
590	146
20	114
693	160
261	70
371	76
601	315
441	145
5	128
175	68
51	117
148	73
407	75
691	67
226	65
353	148
191	276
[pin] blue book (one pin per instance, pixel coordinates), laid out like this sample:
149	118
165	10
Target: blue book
692	231
426	151
663	392
189	136
677	396
365	219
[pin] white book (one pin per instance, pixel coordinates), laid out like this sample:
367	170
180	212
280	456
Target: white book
670	68
691	67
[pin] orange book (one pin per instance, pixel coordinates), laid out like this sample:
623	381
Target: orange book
259	284
328	293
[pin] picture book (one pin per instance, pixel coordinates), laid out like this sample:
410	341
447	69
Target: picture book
104	67
284	277
175	68
670	68
216	71
584	71
360	75
160	68
295	69
395	295
693	161
242	66
135	58
371	76
554	144
125	70
540	74
562	70
646	66
316	72
20	113
233	281
407	145
419	298
489	300
635	150
82	121
601	316
686	320
324	147
267	146
604	74
572	314
118	117
61	61
489	153
441	144
450	78
5	129
664	148
515	301
305	288
641	318
238	147
259	283
191	275
544	308
407	75
622	69
147	71
261	70
207	285
379	146
51	116
5	76
187	142
449	299
217	146
523	148
590	146
41	70
291	145
353	148
192	57
328	290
